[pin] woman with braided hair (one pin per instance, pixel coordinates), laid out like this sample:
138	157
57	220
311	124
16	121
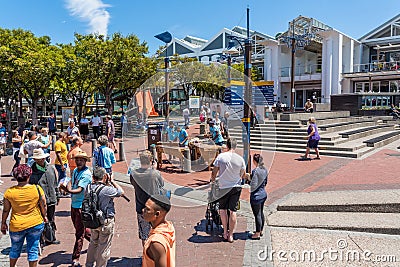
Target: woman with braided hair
27	204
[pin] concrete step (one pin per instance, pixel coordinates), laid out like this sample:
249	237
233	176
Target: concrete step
382	201
392	136
366	131
332	128
345	154
384	223
334	120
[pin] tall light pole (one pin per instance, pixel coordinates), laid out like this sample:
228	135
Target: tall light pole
247	87
247	94
166	37
295	41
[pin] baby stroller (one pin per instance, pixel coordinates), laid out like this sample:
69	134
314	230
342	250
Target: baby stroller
212	213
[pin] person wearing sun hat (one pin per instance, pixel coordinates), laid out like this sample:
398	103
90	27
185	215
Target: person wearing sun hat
44	174
81	177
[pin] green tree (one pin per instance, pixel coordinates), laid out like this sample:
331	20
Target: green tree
32	65
121	64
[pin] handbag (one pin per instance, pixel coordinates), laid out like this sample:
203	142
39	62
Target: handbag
48	233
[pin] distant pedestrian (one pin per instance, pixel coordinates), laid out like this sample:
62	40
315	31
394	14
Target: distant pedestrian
309	106
313	138
3	143
72	130
100	240
72	118
84	127
258	195
230	168
27	204
186	114
183	136
81	177
51	123
110	132
32	145
96	123
224	125
46	139
103	156
17	142
61	161
76	144
44	174
160	247
124	124
146	182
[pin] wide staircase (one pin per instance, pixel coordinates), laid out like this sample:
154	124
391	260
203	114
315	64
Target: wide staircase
341	135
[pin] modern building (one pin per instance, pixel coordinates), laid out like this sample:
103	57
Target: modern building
358	73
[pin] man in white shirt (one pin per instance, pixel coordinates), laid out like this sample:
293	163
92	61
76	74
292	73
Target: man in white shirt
230	168
96	123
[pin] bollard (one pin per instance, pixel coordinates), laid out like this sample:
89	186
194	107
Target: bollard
94	145
202	128
121	151
187	163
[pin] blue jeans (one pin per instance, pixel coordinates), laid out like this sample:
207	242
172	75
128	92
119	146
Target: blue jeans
32	236
61	174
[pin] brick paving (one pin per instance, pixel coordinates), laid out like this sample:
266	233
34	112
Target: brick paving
195	247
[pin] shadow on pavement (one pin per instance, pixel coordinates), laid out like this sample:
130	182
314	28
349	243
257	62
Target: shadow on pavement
57	258
63	213
201	235
124	261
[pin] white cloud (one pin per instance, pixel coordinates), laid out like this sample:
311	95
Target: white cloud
92	11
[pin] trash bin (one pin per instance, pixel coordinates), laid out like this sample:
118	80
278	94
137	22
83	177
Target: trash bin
153	134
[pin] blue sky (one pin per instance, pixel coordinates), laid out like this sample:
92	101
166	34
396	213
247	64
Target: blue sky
59	19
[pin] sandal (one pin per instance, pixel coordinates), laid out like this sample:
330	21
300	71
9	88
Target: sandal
230	239
317	158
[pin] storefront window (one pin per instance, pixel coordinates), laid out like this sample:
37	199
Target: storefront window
375	87
384	86
358	88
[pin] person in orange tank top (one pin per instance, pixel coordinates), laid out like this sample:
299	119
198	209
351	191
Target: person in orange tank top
159	249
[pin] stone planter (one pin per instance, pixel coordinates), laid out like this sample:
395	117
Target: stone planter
373	112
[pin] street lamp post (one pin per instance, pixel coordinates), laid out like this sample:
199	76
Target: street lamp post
295	41
247	87
166	37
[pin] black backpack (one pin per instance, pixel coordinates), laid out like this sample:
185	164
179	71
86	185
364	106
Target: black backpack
92	216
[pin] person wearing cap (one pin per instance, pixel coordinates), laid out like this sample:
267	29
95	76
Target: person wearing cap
44	174
27	204
32	145
309	106
81	177
159	249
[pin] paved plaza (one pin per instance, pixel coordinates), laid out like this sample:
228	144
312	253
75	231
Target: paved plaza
196	247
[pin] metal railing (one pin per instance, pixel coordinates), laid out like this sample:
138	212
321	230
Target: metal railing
376	66
301	70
